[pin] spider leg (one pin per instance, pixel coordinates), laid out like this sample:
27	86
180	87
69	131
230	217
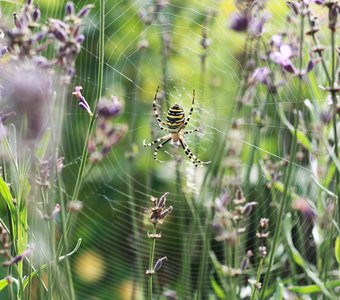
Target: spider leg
156	141
159	147
189	153
191	131
159	121
191	110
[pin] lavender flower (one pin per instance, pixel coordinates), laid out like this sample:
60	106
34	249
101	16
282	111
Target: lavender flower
159	211
3	51
256	26
19	257
240	21
276	40
261	75
109	109
283	58
85	11
69	8
159	263
82	101
302	205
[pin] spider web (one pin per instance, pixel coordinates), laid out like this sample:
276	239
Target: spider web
116	192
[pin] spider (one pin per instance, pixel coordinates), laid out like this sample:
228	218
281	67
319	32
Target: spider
175	124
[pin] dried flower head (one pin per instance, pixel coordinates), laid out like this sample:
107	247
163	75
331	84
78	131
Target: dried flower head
159	211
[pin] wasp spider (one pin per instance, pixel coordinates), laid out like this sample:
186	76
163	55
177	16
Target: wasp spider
175	124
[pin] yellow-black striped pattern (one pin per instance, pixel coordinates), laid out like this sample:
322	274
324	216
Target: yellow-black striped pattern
175	118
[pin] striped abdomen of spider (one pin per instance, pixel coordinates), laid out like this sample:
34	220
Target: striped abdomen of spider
175	124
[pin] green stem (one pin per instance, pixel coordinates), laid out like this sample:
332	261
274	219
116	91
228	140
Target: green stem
287	173
258	276
138	276
101	49
184	283
151	259
335	104
336	151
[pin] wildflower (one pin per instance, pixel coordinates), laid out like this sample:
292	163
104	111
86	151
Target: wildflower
302	205
261	75
246	260
276	40
107	108
283	56
69	8
75	206
159	211
256	26
262	235
60	164
240	21
333	12
106	134
56	210
159	263
85	10
19	257
82	101
3	51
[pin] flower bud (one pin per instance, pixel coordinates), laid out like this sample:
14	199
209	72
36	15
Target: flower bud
85	10
162	200
3	51
69	8
333	16
36	14
159	263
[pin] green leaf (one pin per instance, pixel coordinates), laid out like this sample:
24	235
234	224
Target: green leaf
310	289
217	289
301	137
298	259
337	249
278	290
43	145
44	266
6	196
3	283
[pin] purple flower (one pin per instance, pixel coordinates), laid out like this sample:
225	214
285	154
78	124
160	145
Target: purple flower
239	22
159	263
261	75
303	205
256	27
69	8
3	51
282	57
85	10
82	101
276	40
109	109
36	14
319	2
